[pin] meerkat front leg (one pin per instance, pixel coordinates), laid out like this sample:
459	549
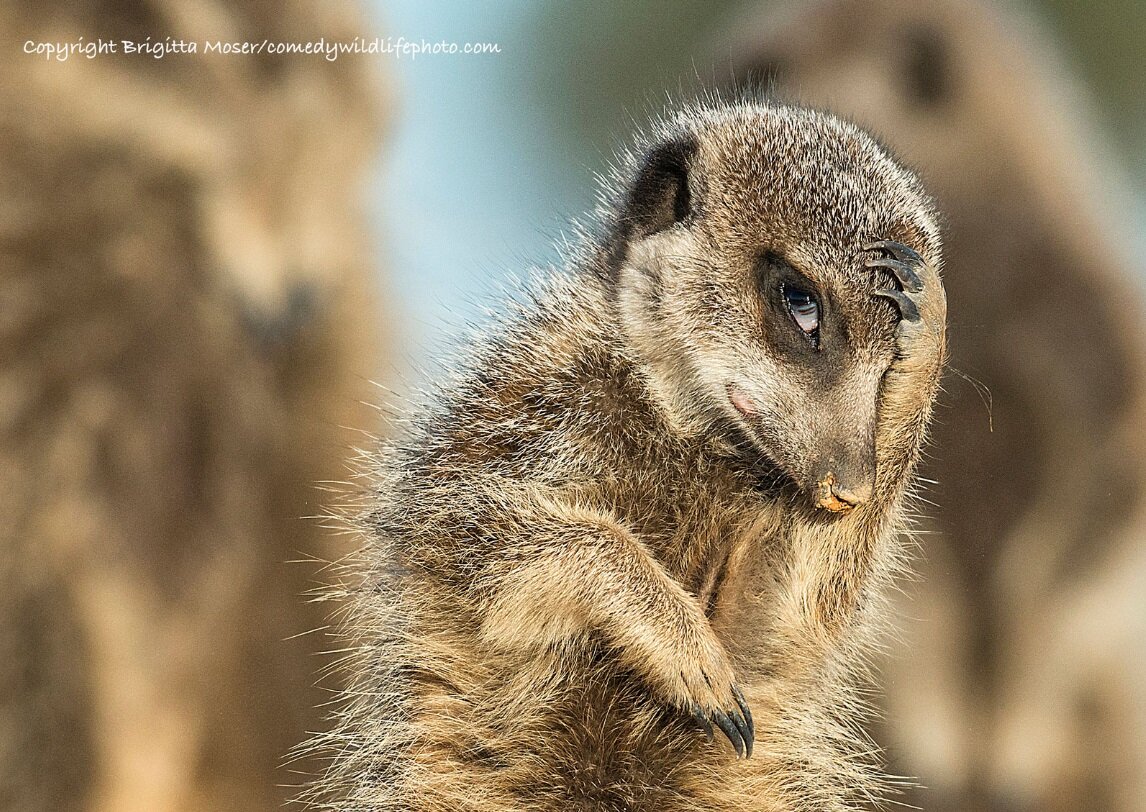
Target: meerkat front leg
594	575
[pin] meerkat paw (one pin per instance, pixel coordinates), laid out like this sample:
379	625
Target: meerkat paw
920	299
705	687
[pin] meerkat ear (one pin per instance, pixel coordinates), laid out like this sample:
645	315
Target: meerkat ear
660	197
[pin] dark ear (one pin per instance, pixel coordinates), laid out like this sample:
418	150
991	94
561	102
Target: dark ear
660	197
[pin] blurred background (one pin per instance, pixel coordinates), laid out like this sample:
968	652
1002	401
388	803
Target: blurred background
208	259
492	156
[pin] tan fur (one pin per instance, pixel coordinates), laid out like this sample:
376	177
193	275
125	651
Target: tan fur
1016	686
582	538
184	322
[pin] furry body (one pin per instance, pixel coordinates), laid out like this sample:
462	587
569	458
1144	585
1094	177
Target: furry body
606	527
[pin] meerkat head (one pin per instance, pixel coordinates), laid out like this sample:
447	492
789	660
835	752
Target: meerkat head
737	262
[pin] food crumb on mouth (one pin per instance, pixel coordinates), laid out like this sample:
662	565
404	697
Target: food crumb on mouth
828	500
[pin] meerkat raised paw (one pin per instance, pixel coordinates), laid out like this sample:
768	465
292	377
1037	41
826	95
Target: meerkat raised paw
920	299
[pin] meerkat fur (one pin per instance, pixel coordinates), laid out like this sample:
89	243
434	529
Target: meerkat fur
651	503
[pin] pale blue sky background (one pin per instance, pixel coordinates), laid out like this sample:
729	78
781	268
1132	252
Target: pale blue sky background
490	157
468	193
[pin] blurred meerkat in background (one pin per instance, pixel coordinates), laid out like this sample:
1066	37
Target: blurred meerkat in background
186	324
1021	681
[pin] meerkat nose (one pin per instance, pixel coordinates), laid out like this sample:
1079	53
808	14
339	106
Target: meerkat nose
837	497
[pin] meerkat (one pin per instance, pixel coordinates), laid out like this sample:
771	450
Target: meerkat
1017	653
658	506
187	322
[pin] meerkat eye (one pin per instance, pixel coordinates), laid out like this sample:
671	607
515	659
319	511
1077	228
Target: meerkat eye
805	311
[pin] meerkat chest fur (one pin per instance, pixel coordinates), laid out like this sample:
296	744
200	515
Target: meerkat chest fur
632	556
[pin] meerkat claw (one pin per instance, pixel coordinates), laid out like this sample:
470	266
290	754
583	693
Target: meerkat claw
747	713
903	272
901	262
738	727
731	730
907	308
745	731
897	249
703	721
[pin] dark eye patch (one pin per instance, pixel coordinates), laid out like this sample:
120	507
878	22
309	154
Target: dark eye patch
794	306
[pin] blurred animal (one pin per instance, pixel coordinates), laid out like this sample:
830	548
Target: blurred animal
663	497
186	324
1021	680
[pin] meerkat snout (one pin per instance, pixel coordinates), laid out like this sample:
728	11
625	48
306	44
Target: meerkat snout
845	478
840	496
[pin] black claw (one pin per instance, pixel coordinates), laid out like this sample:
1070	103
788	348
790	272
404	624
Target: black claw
742	728
907	309
897	250
744	709
903	272
730	730
702	720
